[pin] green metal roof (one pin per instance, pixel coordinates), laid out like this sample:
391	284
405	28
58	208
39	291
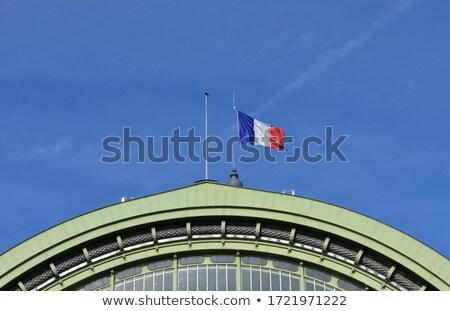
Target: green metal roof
212	199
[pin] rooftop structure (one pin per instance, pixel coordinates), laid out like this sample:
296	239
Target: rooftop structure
210	236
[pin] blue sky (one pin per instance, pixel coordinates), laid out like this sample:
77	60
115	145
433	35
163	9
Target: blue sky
75	72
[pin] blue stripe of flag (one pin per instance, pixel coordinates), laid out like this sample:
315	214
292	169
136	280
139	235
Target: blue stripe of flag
246	129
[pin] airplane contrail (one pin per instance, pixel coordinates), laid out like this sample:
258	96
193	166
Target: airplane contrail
324	61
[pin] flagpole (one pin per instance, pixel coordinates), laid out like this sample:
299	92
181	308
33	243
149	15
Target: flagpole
206	135
233	155
234	177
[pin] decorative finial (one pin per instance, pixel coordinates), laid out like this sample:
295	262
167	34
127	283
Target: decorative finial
234	179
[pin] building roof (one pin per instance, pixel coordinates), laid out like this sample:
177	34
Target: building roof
208	199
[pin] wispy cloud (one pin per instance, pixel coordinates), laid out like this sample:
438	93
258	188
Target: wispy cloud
324	61
28	151
33	140
60	146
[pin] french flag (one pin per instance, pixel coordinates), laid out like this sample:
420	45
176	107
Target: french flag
259	133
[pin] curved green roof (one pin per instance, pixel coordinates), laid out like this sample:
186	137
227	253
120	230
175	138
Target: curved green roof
209	199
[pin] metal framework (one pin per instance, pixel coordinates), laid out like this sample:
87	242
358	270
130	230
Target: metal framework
214	218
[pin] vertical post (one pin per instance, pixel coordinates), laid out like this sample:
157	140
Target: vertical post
302	277
113	280
232	143
238	272
206	135
175	273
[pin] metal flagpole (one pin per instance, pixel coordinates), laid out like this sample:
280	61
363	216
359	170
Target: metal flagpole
206	135
233	155
234	177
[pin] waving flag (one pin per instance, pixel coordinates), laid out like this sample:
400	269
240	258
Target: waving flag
260	133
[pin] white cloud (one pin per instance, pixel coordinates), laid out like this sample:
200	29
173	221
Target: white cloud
60	146
324	61
24	150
